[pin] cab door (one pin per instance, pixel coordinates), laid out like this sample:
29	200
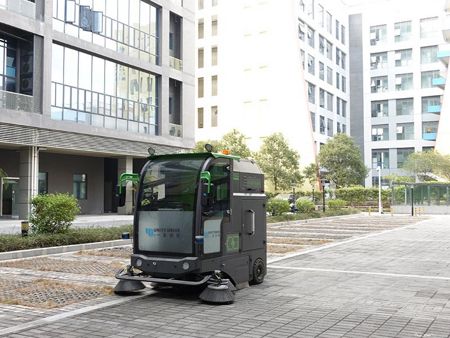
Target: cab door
215	213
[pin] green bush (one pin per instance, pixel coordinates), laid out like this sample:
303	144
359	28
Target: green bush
72	236
53	213
360	196
304	205
337	204
277	207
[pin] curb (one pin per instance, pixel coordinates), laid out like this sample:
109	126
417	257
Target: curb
298	221
61	249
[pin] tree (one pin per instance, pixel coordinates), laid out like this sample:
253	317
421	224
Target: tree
279	163
341	158
234	141
310	172
428	164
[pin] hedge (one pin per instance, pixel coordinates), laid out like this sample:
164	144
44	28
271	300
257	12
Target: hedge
277	207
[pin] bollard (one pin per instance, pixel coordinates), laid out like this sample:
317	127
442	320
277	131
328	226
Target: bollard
25	226
370	209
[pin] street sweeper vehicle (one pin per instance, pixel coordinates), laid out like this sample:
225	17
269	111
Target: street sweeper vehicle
199	220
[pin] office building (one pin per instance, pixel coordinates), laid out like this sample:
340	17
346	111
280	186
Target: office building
86	87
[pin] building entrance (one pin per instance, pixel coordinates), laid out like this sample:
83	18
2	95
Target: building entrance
9	186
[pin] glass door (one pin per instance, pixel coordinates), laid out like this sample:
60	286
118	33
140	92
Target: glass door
9	188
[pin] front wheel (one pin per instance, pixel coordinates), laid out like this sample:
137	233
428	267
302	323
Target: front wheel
259	271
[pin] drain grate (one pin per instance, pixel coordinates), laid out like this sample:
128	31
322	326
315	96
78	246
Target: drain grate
84	267
47	293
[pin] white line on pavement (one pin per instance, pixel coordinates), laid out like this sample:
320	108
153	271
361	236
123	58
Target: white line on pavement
384	274
332	245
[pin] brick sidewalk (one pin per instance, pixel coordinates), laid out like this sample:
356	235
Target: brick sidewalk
395	283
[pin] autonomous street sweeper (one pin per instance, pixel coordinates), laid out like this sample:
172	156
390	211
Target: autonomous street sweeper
200	221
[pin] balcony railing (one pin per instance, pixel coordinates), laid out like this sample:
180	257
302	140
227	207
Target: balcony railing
176	130
434	109
23	7
175	63
438	82
15	101
444	54
429	136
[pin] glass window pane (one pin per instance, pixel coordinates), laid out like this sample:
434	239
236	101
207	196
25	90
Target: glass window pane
98	75
86	73
70	67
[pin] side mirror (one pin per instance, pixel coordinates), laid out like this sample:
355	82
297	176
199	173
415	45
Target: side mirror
121	195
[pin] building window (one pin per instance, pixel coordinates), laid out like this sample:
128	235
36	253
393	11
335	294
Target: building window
311	93
302	57
200	118
338	80
380	158
403	81
311	65
405	131
200	4
379	84
214	3
309	8
377	35
313	121
380	132
429	28
428	54
321	45
80	186
338	105
344	109
214	116
427	78
343	60
343	34
214	56
344	128
175	112
338	127
338	25
200	89
404	106
329	21
378	60
329	76
321	98
42	183
311	37
214	26
200	57
403	57
431	105
344	84
338	56
402	31
329	127
379	109
329	50
322	125
301	30
201	29
429	130
214	84
321	16
329	101
321	71
402	155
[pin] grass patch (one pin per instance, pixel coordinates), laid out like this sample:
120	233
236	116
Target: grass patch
313	214
71	236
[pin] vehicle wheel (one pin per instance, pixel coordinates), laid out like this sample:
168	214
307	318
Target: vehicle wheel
259	271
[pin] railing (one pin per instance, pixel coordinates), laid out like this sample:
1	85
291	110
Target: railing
176	130
22	7
175	63
15	101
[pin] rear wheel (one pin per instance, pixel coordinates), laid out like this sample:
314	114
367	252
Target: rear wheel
259	271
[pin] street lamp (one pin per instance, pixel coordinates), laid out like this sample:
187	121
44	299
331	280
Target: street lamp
380	205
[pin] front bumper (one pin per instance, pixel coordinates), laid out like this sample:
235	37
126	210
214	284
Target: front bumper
165	267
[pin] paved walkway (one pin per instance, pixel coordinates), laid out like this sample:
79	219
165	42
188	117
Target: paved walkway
385	284
12	226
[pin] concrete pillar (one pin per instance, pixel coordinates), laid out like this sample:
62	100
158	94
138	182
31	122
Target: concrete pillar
28	183
125	165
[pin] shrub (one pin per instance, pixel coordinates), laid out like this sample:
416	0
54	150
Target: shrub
277	207
337	204
359	196
53	213
304	205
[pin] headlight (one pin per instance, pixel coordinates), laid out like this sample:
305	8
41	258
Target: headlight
138	262
185	266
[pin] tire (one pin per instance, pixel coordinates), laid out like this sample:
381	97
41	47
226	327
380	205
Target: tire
259	272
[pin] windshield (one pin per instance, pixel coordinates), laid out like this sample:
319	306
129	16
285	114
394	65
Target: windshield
166	207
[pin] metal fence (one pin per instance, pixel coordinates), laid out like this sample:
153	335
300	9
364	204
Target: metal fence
421	194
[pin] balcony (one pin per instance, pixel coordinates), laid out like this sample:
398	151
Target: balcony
175	130
438	82
175	63
22	7
434	109
429	136
446	27
15	101
444	54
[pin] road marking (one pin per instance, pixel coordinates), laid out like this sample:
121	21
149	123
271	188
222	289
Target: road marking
384	274
351	240
59	316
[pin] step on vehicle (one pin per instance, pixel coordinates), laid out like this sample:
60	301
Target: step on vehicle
199	221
